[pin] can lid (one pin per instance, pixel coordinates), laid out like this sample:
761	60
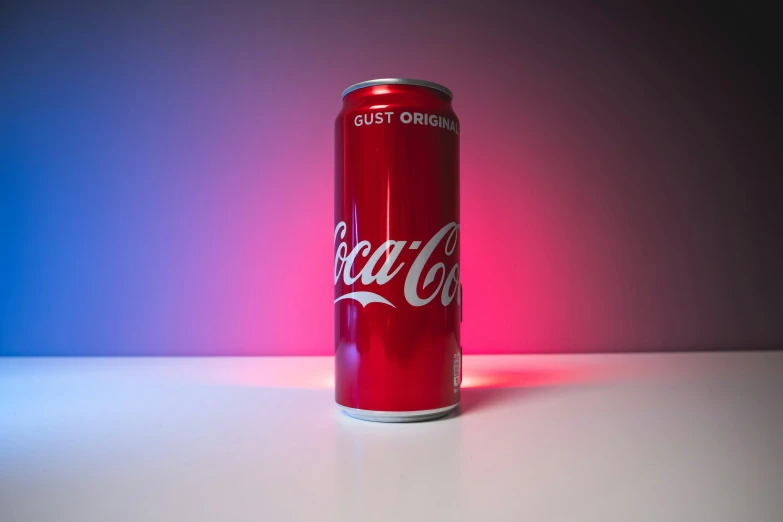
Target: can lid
398	81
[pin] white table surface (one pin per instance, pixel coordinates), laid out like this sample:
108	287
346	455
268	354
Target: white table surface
656	437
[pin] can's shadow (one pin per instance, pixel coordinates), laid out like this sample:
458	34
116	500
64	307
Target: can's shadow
495	382
474	399
487	388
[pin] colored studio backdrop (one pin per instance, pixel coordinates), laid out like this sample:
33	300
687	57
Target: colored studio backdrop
167	170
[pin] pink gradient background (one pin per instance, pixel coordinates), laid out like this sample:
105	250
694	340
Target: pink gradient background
169	186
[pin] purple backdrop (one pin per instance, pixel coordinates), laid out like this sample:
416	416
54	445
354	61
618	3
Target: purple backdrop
167	174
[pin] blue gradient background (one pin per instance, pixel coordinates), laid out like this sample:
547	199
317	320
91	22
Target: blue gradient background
166	174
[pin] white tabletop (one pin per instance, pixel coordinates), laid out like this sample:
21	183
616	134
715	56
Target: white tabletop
656	437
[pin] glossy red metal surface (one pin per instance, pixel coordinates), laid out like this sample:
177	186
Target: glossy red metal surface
396	239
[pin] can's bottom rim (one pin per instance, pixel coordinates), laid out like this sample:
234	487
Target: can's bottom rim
397	416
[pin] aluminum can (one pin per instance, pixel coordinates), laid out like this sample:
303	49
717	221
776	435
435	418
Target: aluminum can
397	292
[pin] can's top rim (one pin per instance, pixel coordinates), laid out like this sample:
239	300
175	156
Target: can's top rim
398	81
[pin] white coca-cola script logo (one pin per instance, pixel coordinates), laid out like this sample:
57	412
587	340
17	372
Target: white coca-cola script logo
448	286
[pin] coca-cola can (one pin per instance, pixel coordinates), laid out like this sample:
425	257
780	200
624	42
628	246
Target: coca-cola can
397	292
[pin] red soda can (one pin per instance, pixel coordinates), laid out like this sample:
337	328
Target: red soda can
398	299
